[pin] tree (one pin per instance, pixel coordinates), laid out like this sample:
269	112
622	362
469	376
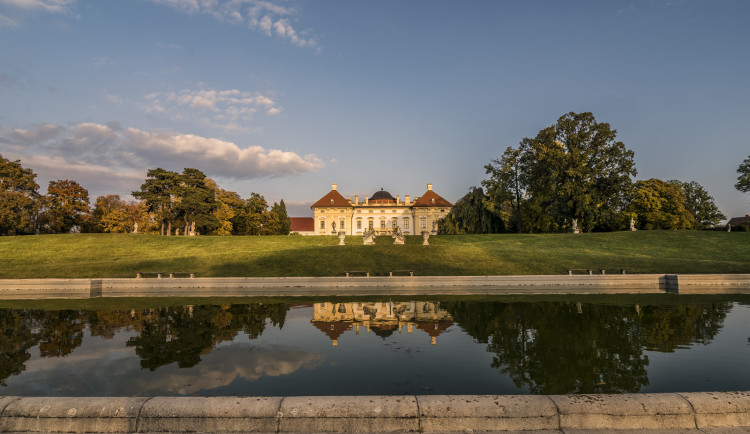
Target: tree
660	205
700	204
743	181
253	216
159	192
67	205
576	169
470	216
506	188
227	205
279	222
111	214
19	199
197	201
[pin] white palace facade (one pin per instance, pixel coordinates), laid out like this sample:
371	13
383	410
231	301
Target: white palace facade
381	212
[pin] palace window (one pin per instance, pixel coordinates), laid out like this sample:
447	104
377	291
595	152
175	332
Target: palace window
359	224
406	224
322	224
394	223
382	224
371	224
423	223
342	224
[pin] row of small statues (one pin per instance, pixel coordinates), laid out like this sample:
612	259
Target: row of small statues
368	237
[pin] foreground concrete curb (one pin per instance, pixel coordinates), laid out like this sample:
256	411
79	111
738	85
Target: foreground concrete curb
380	285
675	412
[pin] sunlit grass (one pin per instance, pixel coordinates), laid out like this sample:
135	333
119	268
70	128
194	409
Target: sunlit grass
122	255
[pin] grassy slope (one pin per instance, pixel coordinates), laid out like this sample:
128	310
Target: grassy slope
121	255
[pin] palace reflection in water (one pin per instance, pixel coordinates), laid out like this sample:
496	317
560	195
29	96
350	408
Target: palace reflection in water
382	318
380	347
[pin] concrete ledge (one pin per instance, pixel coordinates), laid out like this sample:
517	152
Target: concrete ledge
381	285
669	412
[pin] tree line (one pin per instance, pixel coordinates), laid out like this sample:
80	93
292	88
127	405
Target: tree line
170	203
576	174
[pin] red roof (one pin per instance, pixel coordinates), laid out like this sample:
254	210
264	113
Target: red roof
431	199
302	224
333	198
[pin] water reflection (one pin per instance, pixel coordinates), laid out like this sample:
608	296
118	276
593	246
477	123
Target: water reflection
541	347
383	319
556	348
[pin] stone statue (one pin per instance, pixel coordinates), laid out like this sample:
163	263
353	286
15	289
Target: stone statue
342	237
434	227
575	226
177	232
729	227
368	237
632	225
398	236
333	227
135	227
425	237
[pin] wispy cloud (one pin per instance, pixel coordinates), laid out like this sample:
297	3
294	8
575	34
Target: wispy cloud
16	7
55	6
216	108
98	148
266	17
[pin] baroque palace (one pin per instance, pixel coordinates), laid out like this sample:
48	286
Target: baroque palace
380	212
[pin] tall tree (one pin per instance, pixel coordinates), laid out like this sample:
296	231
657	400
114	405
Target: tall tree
470	216
197	201
281	222
700	204
253	216
506	188
227	205
660	205
19	199
67	205
110	214
159	192
576	169
743	180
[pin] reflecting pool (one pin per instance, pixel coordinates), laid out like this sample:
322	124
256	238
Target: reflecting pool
388	346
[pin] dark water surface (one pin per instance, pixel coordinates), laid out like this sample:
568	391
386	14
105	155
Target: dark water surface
350	347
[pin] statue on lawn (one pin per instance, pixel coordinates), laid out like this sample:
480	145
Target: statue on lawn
425	237
368	237
398	236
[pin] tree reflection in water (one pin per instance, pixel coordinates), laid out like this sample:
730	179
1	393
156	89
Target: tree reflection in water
549	347
165	335
566	347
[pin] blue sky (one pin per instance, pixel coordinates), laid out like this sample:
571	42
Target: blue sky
285	98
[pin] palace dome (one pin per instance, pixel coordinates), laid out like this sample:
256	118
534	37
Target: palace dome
382	196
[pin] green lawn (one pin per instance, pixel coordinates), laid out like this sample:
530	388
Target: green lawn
122	255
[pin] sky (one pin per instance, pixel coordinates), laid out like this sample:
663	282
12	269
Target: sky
285	98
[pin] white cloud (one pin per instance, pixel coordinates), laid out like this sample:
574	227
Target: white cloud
114	154
260	15
55	6
8	22
224	109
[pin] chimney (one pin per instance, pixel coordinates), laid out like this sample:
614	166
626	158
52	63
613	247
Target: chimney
334	186
356	199
429	187
367	200
407	199
398	199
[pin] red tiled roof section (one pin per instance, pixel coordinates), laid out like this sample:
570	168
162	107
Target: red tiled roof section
333	198
431	199
302	224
